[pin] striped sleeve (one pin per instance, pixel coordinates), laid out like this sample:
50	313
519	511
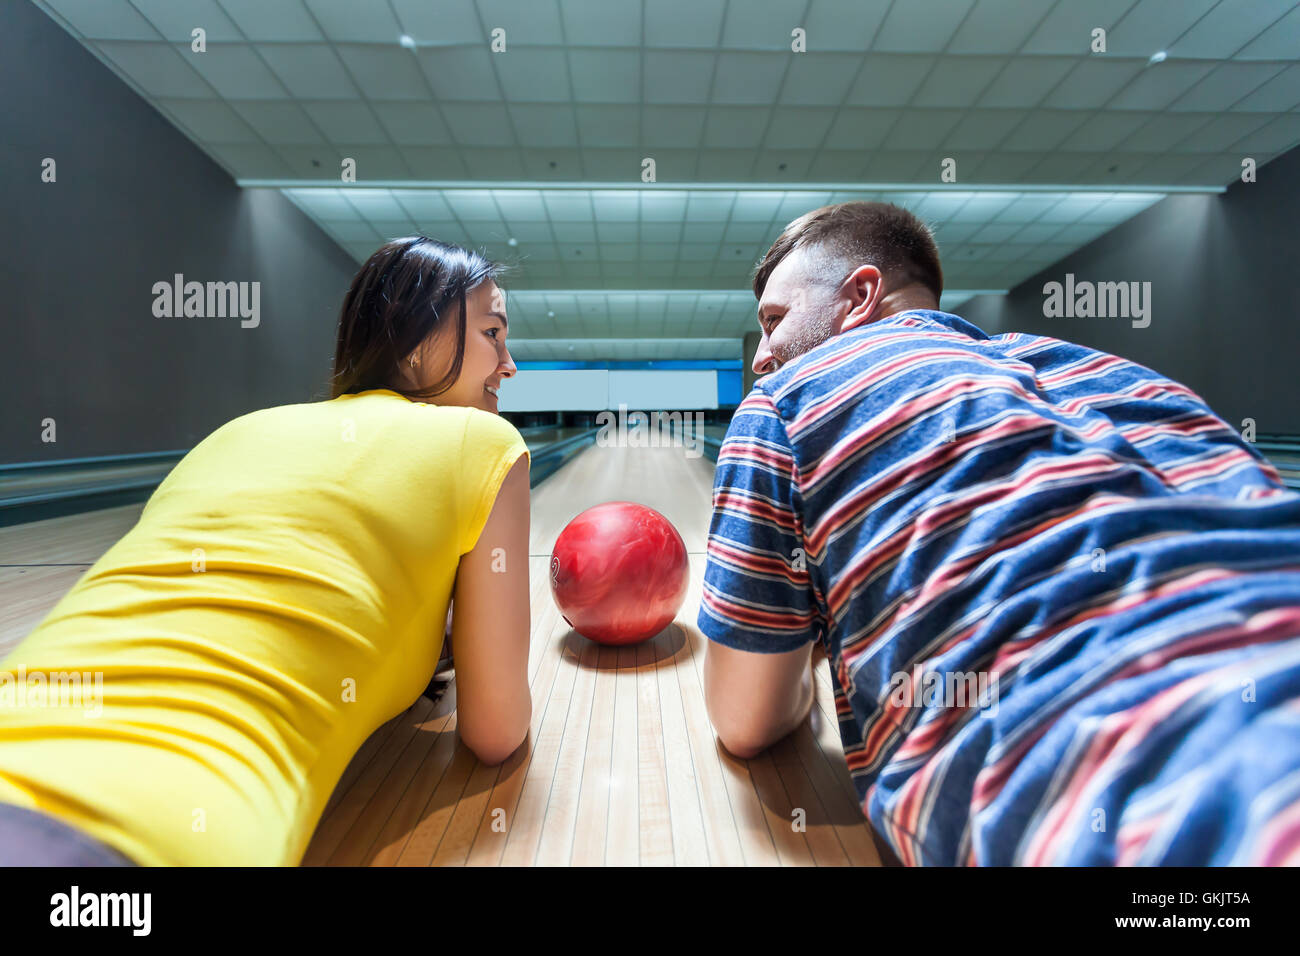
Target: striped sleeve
757	591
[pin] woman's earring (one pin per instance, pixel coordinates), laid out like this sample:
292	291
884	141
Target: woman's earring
414	361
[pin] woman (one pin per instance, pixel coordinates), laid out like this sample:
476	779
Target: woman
284	594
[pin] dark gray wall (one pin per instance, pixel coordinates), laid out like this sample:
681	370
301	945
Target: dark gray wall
1225	284
135	203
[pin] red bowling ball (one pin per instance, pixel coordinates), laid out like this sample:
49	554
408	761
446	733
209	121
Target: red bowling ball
619	573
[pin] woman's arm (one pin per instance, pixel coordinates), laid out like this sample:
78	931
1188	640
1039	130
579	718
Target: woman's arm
491	628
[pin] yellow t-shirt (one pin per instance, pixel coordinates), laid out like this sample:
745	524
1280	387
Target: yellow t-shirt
283	594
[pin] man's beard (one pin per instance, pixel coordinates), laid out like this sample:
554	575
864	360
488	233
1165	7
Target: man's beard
807	338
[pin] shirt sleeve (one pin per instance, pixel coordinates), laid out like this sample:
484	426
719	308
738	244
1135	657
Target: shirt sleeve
490	446
757	592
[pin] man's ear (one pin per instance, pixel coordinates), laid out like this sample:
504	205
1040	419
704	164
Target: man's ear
864	290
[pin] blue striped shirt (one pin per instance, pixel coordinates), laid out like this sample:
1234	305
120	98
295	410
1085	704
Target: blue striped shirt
1020	555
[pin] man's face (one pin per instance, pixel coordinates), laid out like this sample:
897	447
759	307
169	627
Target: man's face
798	312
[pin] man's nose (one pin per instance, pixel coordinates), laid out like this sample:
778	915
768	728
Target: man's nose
764	360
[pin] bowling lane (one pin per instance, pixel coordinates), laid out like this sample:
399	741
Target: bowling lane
621	766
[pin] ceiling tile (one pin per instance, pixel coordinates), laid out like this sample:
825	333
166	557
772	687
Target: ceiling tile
264	22
820	79
1279	94
673	126
958	81
97	20
1228	27
1158	86
210	120
861	128
1277	42
889	80
1068	28
1226	85
1161	132
435	162
1044	130
460	73
479	124
747	78
177	21
847	25
252	160
1152	25
156	68
982	129
473	205
609	126
544	124
602	22
346	121
1104	131
694	24
736	126
1026	80
761	25
998	26
525	23
678	77
923	129
1093	83
484	162
533	75
606	76
385	73
374	162
914	27
1281	134
325	204
445	23
412	124
1221	132
236	72
278	121
355	21
791	126
309	71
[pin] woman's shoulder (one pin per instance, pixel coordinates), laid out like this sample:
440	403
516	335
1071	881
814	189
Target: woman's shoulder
484	427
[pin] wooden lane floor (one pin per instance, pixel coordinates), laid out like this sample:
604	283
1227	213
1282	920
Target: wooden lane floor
621	766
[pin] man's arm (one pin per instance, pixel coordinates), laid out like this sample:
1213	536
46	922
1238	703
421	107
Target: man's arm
754	699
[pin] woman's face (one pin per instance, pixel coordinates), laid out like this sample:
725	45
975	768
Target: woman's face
487	361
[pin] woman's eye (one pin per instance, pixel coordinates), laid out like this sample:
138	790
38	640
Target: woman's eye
494	331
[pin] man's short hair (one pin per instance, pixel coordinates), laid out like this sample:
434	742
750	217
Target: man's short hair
850	234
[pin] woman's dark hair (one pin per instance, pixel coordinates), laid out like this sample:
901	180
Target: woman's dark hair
403	292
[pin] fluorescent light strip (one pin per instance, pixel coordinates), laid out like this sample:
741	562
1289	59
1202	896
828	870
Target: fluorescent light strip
539	185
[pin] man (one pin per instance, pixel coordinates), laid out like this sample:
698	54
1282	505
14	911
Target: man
1060	598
